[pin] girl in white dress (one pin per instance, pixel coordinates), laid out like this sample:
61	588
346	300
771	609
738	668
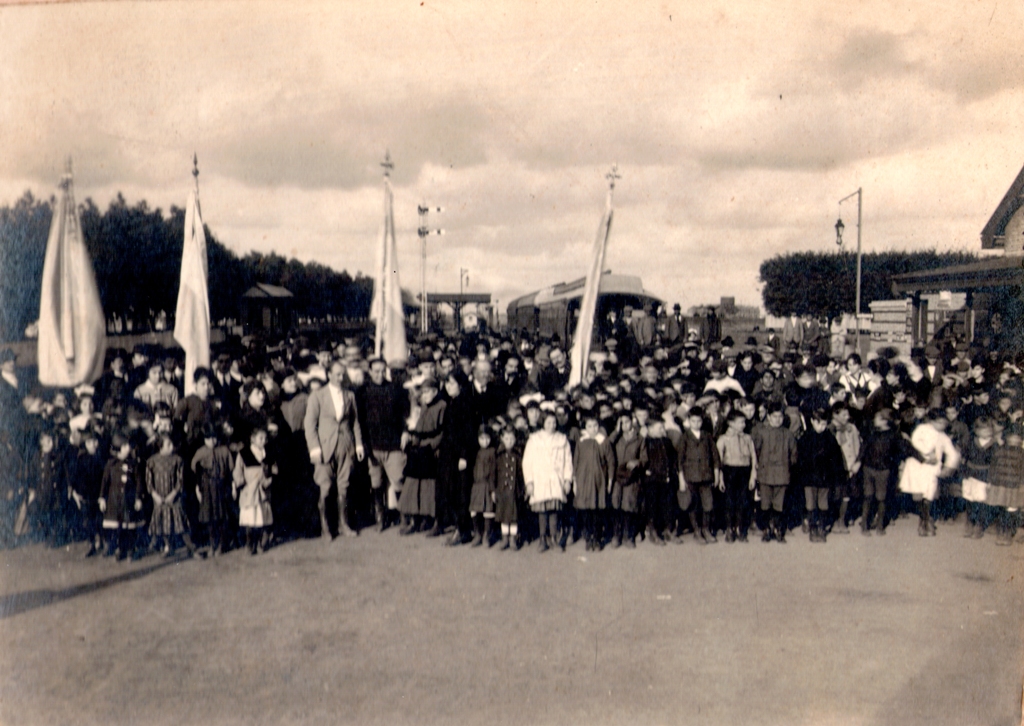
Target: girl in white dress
547	472
940	457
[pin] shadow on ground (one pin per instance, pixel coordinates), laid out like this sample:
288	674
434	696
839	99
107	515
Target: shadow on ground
22	602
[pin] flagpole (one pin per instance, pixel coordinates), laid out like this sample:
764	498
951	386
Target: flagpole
388	165
588	304
192	309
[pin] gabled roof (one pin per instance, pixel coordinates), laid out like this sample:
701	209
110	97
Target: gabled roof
992	234
262	289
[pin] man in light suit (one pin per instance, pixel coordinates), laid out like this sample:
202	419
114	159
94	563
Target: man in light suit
333	437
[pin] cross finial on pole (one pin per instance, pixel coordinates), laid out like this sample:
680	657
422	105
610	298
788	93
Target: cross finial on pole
612	175
65	180
195	169
387	164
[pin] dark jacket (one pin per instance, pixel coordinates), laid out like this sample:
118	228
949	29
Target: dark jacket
698	458
820	461
384	408
776	450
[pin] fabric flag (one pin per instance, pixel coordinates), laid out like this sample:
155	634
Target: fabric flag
72	326
588	306
192	314
386	308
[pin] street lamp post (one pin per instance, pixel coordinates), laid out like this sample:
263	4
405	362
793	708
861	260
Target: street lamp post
839	241
425	232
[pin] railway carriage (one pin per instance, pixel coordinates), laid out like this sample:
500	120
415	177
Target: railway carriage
554	310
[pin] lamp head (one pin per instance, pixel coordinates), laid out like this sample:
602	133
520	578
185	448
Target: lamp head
839	232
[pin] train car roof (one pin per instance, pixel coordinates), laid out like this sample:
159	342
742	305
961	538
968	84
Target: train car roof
525	301
610	285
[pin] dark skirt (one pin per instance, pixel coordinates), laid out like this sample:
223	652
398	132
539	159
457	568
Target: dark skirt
480	497
419	497
506	507
213	508
167	519
626	497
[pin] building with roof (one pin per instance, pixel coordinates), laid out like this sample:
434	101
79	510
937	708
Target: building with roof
267	309
981	281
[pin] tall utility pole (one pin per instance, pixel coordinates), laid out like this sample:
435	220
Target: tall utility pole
425	232
839	240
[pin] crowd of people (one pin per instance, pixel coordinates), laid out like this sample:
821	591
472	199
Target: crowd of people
480	440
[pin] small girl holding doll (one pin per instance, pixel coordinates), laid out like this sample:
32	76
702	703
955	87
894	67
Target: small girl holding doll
252	477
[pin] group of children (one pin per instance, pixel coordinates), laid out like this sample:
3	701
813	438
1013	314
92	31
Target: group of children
703	445
132	501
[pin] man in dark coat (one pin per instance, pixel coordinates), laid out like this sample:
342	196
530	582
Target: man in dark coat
384	405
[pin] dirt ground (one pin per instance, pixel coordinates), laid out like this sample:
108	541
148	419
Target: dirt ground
384	629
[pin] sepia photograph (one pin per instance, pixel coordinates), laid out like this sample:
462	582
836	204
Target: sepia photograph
460	362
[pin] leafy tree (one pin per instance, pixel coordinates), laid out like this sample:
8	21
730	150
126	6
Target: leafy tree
825	284
136	253
23	231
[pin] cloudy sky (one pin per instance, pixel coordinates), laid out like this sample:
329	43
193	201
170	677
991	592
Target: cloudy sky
736	127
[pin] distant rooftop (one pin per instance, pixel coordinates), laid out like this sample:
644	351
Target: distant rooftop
262	289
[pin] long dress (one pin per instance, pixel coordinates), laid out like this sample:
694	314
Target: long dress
593	465
164	474
919	477
508	486
213	472
252	480
457	442
484	481
1006	488
419	490
119	490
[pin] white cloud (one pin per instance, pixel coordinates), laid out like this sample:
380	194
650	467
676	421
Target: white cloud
736	127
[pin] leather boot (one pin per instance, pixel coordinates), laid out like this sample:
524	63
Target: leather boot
617	530
478	530
628	527
969	521
705	529
325	531
865	521
780	527
840	526
408	525
436	529
343	528
380	513
880	520
769	527
698	534
488	525
922	514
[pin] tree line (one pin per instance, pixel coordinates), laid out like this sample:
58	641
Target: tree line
824	285
136	254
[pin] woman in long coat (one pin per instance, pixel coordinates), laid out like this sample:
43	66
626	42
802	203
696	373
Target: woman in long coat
454	463
418	504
